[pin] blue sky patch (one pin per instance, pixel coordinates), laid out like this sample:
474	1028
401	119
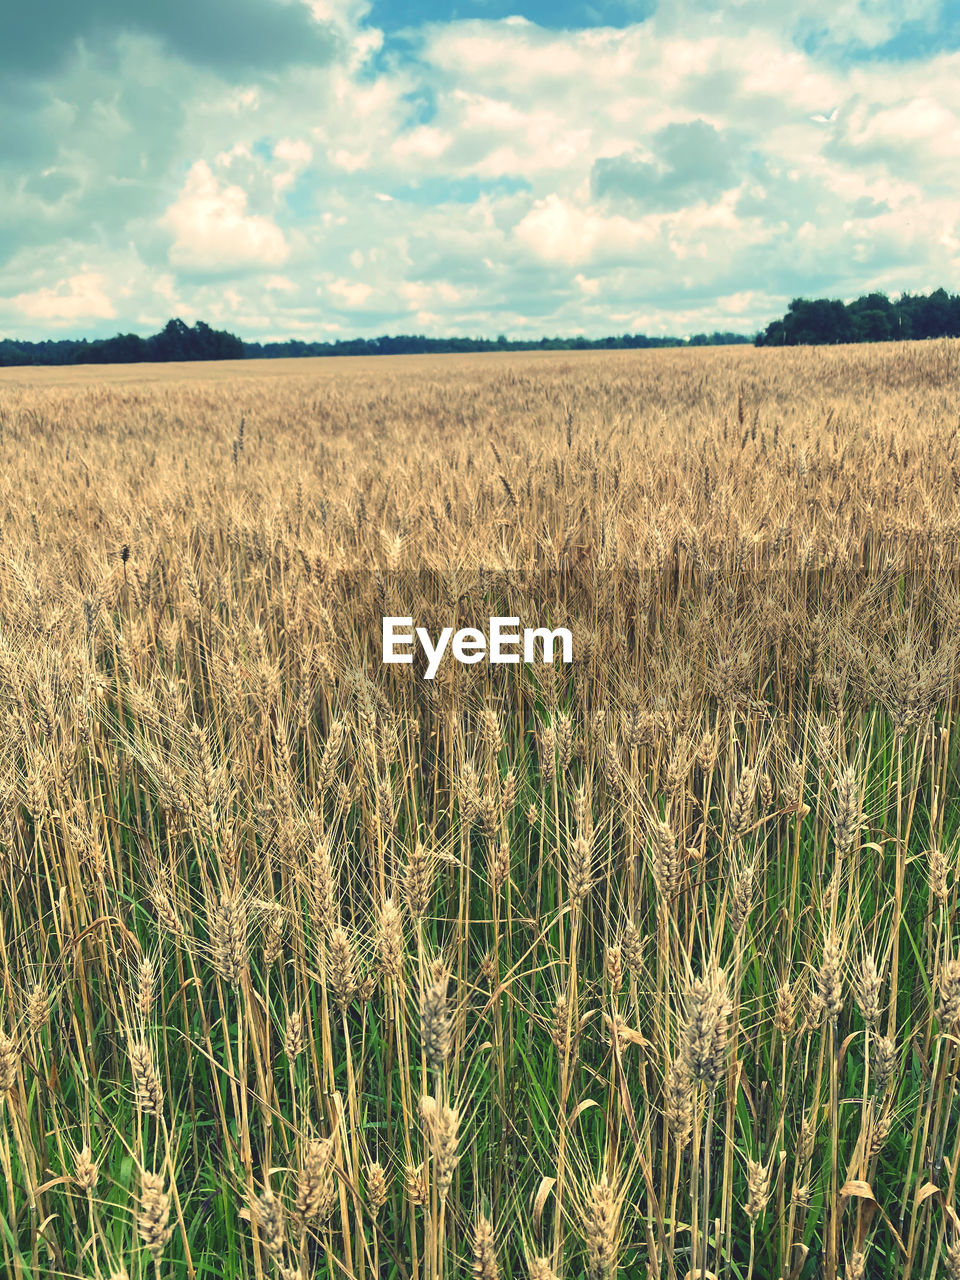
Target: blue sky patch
553	14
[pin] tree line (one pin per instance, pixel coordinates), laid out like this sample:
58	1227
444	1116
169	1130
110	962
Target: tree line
419	344
870	318
178	341
175	341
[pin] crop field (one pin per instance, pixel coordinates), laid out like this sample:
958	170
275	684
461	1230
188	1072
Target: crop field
645	965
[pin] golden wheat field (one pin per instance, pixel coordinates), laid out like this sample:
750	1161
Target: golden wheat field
645	965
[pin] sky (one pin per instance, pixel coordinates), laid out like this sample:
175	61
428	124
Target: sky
325	169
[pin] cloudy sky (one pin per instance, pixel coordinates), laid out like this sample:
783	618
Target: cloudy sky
342	167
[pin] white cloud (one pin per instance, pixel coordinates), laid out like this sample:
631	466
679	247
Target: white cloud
566	231
424	143
351	161
354	293
237	152
295	152
212	229
419	294
78	297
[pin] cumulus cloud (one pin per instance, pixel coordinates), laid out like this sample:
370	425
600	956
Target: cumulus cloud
351	293
690	161
79	297
559	230
213	232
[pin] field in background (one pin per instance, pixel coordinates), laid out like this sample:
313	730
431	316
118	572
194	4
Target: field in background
646	966
333	368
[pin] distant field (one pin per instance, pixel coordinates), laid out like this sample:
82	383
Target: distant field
645	966
306	367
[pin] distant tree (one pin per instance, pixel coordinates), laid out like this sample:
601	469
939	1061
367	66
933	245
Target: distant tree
870	318
820	321
125	348
874	326
170	343
873	318
936	314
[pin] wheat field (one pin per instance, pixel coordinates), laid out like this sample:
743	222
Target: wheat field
643	966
